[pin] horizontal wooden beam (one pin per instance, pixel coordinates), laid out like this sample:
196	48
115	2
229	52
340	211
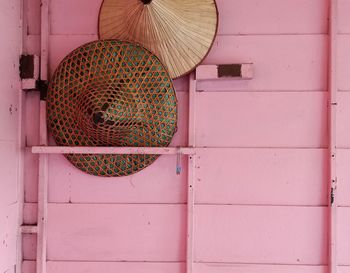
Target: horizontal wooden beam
29	229
225	71
112	150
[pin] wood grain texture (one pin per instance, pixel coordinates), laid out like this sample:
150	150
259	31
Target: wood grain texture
261	119
261	176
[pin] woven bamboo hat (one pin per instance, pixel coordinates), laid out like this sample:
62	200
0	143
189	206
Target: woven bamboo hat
179	32
111	93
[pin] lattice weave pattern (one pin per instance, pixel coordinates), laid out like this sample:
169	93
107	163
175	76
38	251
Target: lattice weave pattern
111	93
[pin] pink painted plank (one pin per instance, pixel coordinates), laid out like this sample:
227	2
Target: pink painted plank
82	267
274	17
28	267
343	236
156	184
8	169
74	17
332	138
108	267
343	172
254	268
31	138
8	235
262	176
88	267
343	125
30	213
9	104
31	173
343	15
61	45
33	16
10	88
262	119
116	232
277	59
343	62
33	44
32	118
29	247
260	234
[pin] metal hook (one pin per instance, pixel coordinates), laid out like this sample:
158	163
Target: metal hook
178	163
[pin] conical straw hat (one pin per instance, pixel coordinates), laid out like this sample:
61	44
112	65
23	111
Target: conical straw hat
179	32
111	93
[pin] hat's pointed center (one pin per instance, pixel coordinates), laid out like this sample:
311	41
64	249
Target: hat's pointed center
146	2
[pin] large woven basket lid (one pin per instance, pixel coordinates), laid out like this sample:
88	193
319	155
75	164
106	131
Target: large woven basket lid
179	32
111	93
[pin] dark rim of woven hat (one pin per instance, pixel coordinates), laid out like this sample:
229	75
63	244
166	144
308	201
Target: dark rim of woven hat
111	93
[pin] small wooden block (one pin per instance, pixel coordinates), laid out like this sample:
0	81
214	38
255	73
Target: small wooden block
29	71
28	84
235	71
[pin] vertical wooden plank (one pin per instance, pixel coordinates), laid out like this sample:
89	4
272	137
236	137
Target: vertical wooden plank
191	172
10	114
42	195
44	39
43	159
333	89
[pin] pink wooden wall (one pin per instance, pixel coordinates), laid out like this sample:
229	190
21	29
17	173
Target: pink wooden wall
261	192
10	108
